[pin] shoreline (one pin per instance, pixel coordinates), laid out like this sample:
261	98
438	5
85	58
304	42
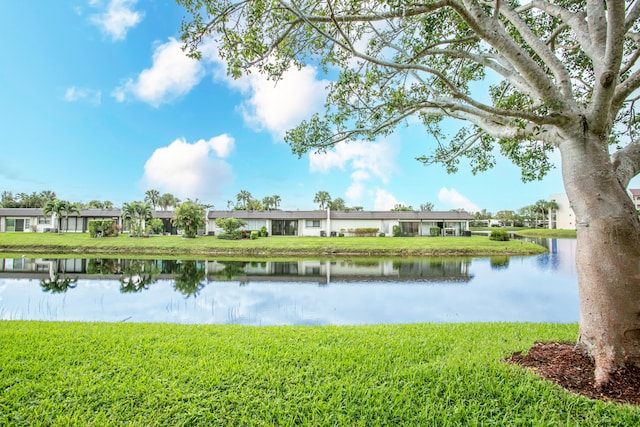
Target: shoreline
77	245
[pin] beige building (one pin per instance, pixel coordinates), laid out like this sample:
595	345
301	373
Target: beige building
563	217
635	196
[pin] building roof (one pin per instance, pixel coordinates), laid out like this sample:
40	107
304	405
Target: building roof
635	192
242	214
353	215
275	214
31	212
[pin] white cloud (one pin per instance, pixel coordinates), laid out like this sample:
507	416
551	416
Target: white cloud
272	106
451	199
280	107
78	94
367	160
375	158
384	201
188	170
117	18
172	75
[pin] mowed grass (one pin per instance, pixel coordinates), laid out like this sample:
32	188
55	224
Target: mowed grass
102	374
545	232
81	243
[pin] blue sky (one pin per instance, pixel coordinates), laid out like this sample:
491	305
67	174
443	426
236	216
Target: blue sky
99	102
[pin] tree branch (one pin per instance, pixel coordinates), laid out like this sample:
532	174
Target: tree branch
626	163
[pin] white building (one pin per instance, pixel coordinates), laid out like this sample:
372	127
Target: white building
354	223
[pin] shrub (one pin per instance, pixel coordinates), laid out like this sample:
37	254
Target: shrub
362	232
499	235
397	231
155	226
381	235
254	235
264	232
340	234
435	231
104	228
234	235
229	225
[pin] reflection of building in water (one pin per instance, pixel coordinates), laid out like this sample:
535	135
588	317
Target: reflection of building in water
328	271
36	265
316	271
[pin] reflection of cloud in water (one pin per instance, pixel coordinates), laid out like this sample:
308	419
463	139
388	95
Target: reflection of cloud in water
526	289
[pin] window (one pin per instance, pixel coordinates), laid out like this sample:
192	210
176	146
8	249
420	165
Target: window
10	224
409	228
313	223
43	220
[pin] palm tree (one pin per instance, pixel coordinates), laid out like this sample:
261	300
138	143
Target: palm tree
426	207
552	205
323	199
190	216
137	212
70	208
54	208
267	203
8	200
338	204
254	205
47	195
57	208
243	198
152	197
168	199
95	204
276	201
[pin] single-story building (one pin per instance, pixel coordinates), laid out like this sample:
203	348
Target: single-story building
33	219
277	223
348	223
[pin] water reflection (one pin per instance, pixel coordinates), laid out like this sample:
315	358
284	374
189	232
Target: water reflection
58	283
190	278
136	275
309	292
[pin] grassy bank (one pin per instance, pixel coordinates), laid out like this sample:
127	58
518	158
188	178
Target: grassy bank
160	374
545	232
81	243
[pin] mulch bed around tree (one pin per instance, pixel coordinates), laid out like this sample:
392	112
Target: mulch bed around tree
569	368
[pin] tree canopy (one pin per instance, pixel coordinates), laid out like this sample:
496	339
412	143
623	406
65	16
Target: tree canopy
522	78
546	64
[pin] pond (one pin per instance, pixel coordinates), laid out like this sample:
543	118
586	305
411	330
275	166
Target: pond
541	288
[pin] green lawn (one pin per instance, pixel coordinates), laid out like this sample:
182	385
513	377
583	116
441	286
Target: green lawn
545	232
104	374
81	243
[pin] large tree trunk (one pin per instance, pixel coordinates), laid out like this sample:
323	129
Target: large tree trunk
607	256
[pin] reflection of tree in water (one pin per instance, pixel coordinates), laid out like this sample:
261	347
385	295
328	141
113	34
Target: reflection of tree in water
58	283
231	269
499	262
170	266
104	266
138	275
190	278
